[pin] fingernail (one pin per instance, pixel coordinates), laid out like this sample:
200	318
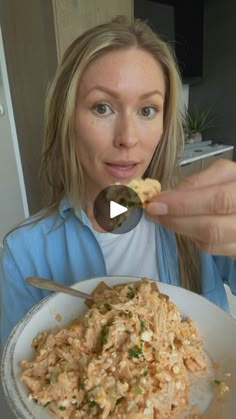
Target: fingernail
157	208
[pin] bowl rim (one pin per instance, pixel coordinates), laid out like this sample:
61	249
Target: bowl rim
9	348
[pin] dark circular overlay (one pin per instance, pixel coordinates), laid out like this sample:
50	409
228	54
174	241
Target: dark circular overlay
110	197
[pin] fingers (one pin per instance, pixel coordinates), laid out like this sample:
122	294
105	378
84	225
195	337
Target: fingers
221	171
209	232
202	208
214	200
227	249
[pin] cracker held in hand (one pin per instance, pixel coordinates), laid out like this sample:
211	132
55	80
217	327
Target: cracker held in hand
145	188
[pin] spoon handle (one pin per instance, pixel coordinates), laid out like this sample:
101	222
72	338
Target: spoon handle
50	285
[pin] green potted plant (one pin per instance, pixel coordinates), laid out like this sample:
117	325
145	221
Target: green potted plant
195	122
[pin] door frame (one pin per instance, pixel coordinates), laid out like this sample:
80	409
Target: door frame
7	92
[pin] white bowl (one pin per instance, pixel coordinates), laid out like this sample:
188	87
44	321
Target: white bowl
217	329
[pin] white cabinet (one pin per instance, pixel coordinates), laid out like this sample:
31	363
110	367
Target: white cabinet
189	169
192	167
224	155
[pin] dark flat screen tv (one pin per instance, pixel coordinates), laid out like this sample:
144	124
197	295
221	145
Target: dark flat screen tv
181	22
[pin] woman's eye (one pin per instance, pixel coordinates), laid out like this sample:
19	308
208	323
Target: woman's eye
102	108
148	111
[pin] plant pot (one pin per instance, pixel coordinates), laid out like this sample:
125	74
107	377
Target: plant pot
196	137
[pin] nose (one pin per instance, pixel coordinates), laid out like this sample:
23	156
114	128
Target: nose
126	132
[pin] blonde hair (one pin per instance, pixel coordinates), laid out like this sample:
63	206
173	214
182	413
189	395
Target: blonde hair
60	160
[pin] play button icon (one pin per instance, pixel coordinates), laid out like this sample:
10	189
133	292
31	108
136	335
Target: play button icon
117	209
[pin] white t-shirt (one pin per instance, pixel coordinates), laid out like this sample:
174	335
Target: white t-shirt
132	253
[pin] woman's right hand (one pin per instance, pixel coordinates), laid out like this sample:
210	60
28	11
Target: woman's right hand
202	207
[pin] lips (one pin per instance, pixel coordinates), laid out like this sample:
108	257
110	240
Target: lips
123	163
121	169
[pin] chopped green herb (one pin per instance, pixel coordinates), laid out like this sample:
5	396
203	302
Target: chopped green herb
145	373
118	401
142	325
53	377
62	407
128	314
131	293
130	204
137	390
46	404
92	403
135	351
107	306
81	386
105	333
217	381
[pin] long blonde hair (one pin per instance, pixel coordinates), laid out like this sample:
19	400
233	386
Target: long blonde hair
60	162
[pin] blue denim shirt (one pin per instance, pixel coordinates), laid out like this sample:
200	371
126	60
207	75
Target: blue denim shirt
61	247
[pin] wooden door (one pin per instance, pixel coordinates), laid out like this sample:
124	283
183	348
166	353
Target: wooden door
73	17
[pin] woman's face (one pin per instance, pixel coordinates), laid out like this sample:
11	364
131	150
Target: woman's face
118	117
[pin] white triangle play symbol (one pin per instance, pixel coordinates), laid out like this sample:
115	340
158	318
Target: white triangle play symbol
116	209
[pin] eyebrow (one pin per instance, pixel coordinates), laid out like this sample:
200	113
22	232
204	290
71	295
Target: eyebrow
116	95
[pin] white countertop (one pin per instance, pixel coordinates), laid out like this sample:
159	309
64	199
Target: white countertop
201	150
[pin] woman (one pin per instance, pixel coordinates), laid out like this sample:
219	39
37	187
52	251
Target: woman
112	115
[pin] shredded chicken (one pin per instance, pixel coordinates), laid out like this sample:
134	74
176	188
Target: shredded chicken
127	358
145	188
137	193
